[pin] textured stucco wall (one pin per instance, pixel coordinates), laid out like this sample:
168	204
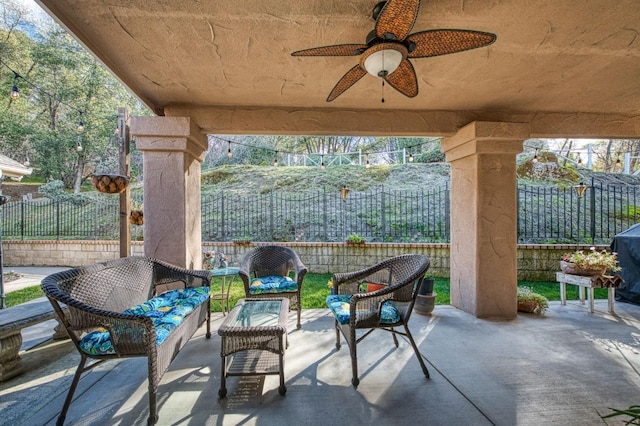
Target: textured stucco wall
535	262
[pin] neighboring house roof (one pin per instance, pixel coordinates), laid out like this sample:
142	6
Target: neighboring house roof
12	168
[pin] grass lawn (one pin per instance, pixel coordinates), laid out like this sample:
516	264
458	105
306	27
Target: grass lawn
315	290
23	295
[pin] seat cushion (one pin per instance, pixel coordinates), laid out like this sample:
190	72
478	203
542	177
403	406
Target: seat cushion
272	284
166	312
339	305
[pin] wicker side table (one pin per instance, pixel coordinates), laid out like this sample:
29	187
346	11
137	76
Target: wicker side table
254	338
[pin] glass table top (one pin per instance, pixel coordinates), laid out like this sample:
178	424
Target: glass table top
257	313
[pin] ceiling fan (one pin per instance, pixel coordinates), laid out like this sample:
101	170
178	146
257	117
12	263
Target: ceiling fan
389	47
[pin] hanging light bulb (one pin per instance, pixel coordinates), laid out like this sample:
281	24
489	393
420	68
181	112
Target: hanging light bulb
229	154
26	163
15	91
535	156
579	160
411	158
618	162
367	164
275	162
322	162
80	127
78	144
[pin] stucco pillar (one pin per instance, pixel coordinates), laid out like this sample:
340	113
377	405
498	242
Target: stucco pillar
173	148
483	256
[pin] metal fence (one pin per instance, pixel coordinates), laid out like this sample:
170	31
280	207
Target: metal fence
325	216
545	215
554	215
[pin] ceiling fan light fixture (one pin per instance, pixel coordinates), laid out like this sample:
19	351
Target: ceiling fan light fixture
383	59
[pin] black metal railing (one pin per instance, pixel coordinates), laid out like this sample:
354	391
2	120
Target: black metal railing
545	215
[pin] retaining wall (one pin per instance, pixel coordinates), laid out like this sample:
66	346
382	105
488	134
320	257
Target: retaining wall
535	262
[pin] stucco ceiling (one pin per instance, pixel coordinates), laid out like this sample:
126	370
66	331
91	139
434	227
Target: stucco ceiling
568	67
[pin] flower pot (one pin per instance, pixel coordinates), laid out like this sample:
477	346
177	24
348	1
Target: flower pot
573	269
425	303
136	217
110	184
426	288
529	306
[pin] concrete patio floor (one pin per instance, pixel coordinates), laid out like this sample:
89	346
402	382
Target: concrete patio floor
566	367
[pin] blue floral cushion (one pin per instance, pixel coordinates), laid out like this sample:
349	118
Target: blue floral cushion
339	305
272	284
166	312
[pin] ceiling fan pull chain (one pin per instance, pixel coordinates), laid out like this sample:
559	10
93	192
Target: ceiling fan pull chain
382	100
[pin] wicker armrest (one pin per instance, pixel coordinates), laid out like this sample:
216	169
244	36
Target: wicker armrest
349	282
130	334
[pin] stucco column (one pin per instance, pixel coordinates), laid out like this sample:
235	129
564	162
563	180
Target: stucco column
173	148
483	255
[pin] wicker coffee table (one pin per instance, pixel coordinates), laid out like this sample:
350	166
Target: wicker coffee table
254	338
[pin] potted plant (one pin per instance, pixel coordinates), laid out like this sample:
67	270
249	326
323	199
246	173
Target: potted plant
426	288
242	240
355	239
531	302
426	298
589	263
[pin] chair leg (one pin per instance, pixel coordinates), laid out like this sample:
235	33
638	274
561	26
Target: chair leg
355	381
153	389
72	389
209	318
415	349
395	338
299	313
336	326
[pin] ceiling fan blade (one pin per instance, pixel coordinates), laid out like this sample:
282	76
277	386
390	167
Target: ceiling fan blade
442	42
404	79
397	17
336	50
347	80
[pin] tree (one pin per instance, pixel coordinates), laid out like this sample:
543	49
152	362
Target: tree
60	84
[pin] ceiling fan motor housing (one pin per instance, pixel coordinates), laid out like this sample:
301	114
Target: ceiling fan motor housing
383	59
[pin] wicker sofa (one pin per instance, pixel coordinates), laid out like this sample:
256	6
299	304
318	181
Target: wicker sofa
130	307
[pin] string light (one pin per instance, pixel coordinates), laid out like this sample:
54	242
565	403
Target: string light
78	144
579	160
367	164
275	162
322	165
26	163
322	162
535	156
618	162
15	91
80	127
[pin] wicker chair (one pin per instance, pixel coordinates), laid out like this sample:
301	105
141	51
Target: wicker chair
400	278
96	297
273	261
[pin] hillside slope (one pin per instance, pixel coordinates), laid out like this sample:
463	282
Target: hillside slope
260	179
413	177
